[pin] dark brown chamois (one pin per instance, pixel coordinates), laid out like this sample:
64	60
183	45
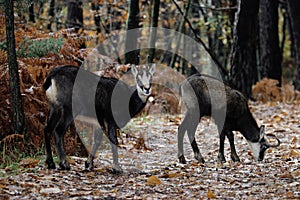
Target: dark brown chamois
107	103
206	96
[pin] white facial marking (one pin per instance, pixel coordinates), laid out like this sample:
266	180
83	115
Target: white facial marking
51	92
255	148
145	80
143	76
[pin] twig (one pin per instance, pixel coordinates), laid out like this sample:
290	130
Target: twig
214	8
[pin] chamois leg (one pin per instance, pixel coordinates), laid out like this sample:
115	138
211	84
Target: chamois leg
221	156
234	155
53	120
181	131
112	133
59	139
191	134
98	134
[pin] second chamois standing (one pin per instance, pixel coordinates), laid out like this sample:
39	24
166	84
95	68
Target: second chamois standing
206	96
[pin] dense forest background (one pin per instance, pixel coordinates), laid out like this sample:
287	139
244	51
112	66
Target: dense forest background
254	44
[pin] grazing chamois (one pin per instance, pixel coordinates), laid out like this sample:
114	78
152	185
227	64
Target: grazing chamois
206	96
107	103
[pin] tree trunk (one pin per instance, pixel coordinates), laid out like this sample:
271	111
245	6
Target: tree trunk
97	19
181	30
243	61
131	52
31	13
14	81
51	14
154	22
294	7
270	56
75	15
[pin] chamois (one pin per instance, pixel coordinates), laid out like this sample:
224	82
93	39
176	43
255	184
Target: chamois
206	96
107	103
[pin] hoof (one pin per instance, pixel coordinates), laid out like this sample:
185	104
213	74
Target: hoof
182	159
235	158
221	158
50	164
117	170
89	166
199	158
64	166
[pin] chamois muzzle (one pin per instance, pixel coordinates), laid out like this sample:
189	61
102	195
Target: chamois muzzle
147	90
273	145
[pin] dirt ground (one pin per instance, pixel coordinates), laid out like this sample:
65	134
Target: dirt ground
152	171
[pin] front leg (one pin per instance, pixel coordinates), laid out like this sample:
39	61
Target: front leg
221	156
112	134
234	156
98	134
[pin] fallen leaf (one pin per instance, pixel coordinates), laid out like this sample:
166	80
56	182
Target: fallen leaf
286	176
296	174
210	195
153	181
277	118
170	175
294	153
29	162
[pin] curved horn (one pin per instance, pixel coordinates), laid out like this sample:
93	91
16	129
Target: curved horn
273	145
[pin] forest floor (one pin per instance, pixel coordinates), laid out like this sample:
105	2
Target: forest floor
153	172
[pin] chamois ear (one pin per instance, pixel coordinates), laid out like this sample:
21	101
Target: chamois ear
134	70
261	132
152	68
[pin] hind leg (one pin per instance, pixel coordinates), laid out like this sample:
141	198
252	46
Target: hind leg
188	124
59	140
191	134
181	131
53	120
98	134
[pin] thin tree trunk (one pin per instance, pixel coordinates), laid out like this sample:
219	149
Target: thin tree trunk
131	54
181	30
51	14
31	12
270	56
97	19
294	10
292	40
75	15
14	80
153	30
243	60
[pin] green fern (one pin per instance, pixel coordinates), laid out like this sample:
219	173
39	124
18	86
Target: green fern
39	48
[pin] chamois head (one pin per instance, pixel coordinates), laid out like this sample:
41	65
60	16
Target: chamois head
259	148
143	78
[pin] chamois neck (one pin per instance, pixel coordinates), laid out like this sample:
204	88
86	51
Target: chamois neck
143	97
249	128
137	103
